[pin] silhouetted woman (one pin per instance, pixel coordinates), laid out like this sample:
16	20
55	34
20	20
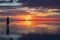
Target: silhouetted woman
7	27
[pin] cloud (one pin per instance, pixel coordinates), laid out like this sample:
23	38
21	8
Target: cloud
38	3
39	11
44	3
12	12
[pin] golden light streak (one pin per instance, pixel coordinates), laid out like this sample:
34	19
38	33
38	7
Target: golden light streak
43	14
24	23
27	23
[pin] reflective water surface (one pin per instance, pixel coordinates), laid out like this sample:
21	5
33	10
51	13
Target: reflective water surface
41	27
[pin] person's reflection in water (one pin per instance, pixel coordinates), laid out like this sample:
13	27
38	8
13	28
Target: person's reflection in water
7	28
10	39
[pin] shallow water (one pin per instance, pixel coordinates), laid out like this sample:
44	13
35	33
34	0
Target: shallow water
41	27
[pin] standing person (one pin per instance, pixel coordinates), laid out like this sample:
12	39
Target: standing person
7	27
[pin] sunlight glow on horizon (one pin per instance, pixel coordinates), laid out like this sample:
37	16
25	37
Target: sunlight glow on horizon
24	17
27	17
27	23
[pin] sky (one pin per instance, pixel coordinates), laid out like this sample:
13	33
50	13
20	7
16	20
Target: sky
35	8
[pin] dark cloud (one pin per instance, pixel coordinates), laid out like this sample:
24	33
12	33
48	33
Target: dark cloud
38	3
44	3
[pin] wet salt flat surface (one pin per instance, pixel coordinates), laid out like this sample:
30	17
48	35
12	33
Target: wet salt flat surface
41	27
